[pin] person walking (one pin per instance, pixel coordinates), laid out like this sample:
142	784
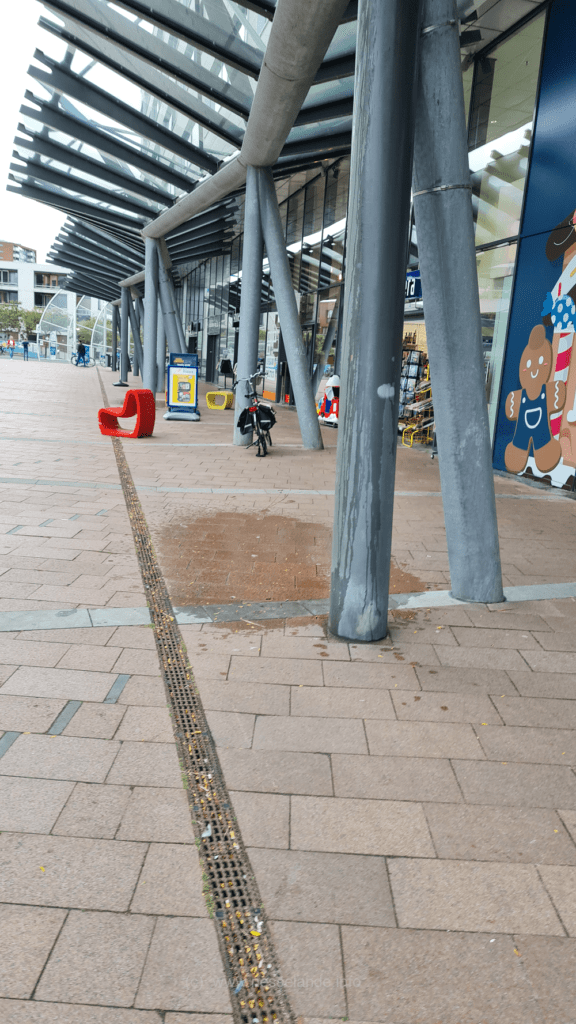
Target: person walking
11	344
25	348
81	353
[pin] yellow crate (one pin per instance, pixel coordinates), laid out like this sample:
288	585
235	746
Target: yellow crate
211	397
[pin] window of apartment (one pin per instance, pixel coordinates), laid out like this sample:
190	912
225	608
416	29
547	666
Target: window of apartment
42	298
9	277
8	296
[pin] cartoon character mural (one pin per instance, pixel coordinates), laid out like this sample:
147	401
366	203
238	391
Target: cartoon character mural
559	312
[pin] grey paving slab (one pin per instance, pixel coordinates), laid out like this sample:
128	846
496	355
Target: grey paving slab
338	825
59	871
472	897
560	882
549	964
284	671
423	739
60	757
544	684
167	980
505	834
143	690
277	771
516	785
264	818
73	618
536	746
543	712
59	682
230	729
393	976
465	680
157	815
92	811
170	883
146	723
28	714
139	616
250	698
31	805
65	717
317	735
27	935
311	966
569	820
341	702
394	778
298	886
97	721
445	707
369	674
146	764
98	958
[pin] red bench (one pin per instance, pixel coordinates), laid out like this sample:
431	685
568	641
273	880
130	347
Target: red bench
138	402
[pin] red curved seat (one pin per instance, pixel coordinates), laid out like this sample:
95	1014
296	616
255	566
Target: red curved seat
138	402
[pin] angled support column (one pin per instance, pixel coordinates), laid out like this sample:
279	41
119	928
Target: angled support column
288	312
135	327
124	321
160	351
379	207
169	308
445	229
114	357
149	376
250	298
328	342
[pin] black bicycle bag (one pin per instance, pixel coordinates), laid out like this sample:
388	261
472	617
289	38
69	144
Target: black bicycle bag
266	416
245	422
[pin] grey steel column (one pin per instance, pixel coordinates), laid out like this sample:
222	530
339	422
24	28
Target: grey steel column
250	298
379	205
287	311
168	303
124	319
328	341
445	231
135	327
150	315
160	351
114	356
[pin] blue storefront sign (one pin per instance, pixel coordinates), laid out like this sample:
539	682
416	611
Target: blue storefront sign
536	426
413	286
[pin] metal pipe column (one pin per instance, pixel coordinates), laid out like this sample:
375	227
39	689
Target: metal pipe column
445	230
379	206
135	327
114	357
160	351
328	342
168	303
150	315
124	317
250	298
287	311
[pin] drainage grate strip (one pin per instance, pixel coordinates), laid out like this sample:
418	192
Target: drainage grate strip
256	991
116	689
64	718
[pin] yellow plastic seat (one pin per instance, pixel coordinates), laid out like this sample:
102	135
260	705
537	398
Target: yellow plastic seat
211	397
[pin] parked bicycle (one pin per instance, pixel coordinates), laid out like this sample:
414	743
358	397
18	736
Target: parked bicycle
257	416
77	360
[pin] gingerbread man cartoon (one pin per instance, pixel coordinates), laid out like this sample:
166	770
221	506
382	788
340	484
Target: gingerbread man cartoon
532	406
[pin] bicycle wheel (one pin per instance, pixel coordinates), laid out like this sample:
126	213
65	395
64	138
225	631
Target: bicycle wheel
261	441
74	360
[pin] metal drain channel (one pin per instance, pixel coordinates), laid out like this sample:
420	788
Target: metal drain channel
257	993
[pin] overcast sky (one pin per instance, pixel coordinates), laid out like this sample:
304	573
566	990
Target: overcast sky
21	220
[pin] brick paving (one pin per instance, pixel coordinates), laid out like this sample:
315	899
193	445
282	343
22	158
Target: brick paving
409	807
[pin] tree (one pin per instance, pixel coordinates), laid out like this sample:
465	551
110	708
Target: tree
16	320
29	319
84	330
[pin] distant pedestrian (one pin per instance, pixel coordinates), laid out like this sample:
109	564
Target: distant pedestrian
25	347
81	353
11	344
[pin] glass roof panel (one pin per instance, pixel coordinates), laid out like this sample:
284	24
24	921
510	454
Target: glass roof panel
318	129
344	41
112	189
329	92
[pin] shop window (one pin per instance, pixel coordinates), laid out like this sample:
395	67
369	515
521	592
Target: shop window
312	235
294	221
500	130
495	274
332	269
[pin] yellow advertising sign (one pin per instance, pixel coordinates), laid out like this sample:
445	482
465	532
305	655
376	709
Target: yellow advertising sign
182	391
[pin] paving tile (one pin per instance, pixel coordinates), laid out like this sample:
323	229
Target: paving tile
98	958
560	882
465	680
157	816
445	707
557	641
484	657
134	662
198	1018
33	653
523	621
90	874
167	980
28	714
139	637
211	666
341	702
402	653
539	712
315	648
318	735
31	805
497	638
212	641
394	778
90	657
92	811
286	671
253	698
549	964
96	636
27	935
548	661
544	684
569	819
392	976
264	819
298	886
473	897
59	757
311	967
536	746
59	682
419	632
152	724
271	771
382	827
99	721
508	834
6	671
170	883
230	729
422	739
146	764
144	690
516	785
369	674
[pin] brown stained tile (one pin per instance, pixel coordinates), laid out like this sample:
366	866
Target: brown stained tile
212	642
167	980
423	739
153	724
285	671
145	691
31	805
86	873
299	886
417	632
92	811
315	648
496	638
520	836
317	735
90	657
264	819
99	721
98	958
381	827
484	657
445	707
56	682
465	680
311	967
471	896
28	714
392	975
541	713
170	883
370	674
516	785
341	702
59	757
271	771
536	746
394	778
27	935
157	815
400	654
146	764
251	698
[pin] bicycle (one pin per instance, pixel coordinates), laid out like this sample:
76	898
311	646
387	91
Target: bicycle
77	360
257	416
